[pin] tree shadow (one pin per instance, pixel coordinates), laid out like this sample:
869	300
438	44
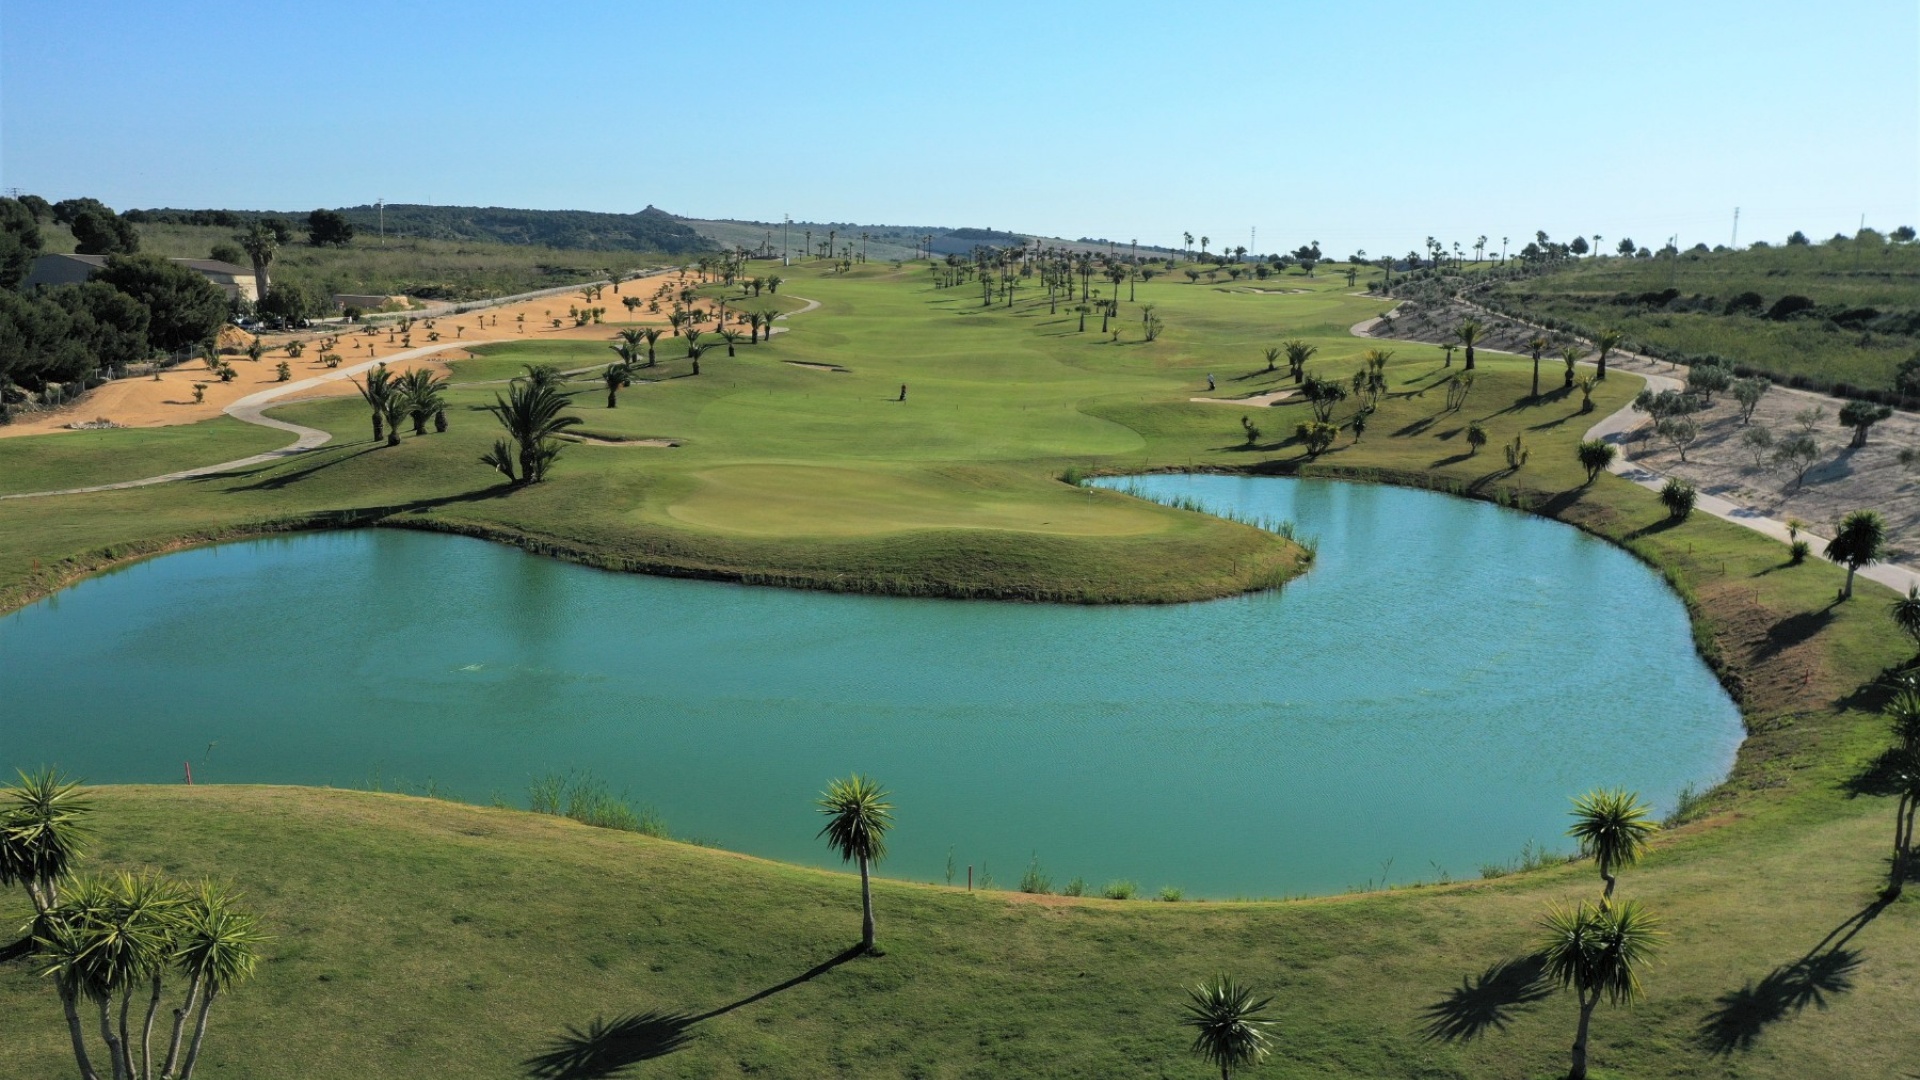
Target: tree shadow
277	478
609	1048
1417	426
1487	1001
1792	630
1827	969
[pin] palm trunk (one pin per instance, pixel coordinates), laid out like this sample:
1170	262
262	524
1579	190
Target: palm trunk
1602	372
866	907
1578	1071
1469	366
1536	376
179	1028
200	1033
611	402
126	1043
1847	593
113	1043
146	1031
379	428
70	1004
1606	895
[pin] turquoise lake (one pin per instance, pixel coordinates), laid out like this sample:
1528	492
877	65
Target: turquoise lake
1425	700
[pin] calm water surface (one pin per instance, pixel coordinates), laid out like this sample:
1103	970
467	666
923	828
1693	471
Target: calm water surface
1430	694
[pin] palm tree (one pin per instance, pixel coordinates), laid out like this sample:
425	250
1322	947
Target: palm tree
1904	774
695	351
1906	613
1613	828
1469	333
858	817
1298	353
1273	356
617	375
378	392
1860	541
652	334
1229	1025
732	338
43	833
1606	341
1476	438
260	243
1596	951
1572	354
693	341
1536	345
423	398
531	413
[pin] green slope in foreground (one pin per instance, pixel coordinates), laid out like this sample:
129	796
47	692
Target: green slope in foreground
423	938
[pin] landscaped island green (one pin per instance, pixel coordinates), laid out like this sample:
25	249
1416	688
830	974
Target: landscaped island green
398	922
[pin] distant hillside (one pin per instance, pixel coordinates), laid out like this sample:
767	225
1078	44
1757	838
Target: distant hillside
577	230
882	241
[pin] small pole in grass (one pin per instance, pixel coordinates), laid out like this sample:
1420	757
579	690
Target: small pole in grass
189	766
969	877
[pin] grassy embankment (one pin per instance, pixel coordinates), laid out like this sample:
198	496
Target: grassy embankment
440	269
404	948
1863	352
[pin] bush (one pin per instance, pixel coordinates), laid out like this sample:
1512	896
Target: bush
1170	894
1798	551
1120	890
1678	497
1076	887
1035	880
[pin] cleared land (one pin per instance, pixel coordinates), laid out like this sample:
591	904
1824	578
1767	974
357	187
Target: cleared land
403	947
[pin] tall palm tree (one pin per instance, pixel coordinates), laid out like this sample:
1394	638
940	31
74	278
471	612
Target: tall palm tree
1298	353
1536	345
1860	542
1613	828
395	411
43	833
1606	341
652	334
260	243
1469	333
1597	951
531	413
693	340
731	338
617	376
695	351
1229	1025
858	817
378	391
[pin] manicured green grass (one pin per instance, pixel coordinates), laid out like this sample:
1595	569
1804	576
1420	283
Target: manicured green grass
418	937
85	458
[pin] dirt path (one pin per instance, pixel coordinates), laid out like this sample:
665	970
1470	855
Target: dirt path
1626	426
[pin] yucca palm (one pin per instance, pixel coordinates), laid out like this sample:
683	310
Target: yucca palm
616	376
858	817
43	833
1906	613
1613	828
1230	1026
1536	345
1606	341
378	392
1597	951
1903	713
1859	542
532	414
218	948
1298	353
1572	354
1469	333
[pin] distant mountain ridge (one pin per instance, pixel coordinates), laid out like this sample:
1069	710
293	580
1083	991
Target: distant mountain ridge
650	229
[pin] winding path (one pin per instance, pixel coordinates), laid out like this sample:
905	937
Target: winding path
252	410
1618	426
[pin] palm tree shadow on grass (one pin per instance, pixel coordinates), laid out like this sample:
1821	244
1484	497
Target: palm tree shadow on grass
1487	1001
1827	969
605	1049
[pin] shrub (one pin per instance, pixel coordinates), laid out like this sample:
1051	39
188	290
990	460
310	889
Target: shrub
1076	887
1798	551
1757	441
1170	894
1035	880
1678	497
1595	456
1476	437
1517	453
1120	890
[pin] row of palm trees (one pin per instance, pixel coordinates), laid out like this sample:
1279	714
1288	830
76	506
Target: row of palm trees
419	396
112	942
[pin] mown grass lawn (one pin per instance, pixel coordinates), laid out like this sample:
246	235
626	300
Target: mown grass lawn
422	938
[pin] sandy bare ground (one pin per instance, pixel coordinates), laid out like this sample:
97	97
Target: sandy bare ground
145	402
1256	401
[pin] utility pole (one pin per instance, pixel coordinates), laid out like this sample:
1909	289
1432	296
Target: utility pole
1673	277
786	220
1735	242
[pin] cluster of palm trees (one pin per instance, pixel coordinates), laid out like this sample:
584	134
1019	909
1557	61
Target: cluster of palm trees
111	942
419	396
532	414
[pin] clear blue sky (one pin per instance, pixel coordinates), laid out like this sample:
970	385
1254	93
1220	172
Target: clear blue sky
1360	125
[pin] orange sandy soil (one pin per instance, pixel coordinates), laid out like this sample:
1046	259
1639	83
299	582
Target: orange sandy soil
146	402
